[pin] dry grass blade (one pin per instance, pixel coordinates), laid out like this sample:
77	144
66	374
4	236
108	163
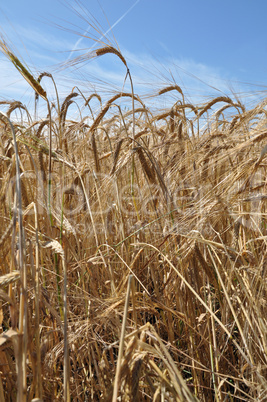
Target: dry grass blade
21	356
119	361
177	380
56	246
205	305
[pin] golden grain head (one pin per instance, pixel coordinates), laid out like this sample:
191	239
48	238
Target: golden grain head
109	49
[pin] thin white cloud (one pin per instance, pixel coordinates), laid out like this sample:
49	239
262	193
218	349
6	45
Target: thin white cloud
106	74
102	36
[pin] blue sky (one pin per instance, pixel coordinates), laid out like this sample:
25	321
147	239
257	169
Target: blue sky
207	47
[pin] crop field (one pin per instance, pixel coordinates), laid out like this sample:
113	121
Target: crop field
133	247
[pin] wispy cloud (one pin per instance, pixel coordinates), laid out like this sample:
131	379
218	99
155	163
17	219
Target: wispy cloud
101	36
106	74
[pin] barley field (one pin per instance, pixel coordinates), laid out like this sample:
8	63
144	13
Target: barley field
133	248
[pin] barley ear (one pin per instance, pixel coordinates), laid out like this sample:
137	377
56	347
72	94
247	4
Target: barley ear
116	156
111	49
23	70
